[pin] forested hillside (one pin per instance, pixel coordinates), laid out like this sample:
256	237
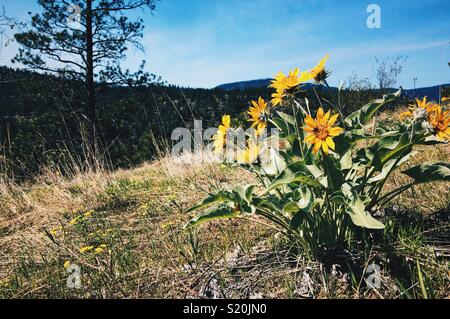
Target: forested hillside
43	123
42	120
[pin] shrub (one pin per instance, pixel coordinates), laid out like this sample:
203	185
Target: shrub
323	185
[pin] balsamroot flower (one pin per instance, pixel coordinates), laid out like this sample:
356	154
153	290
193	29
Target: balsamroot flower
440	122
285	85
320	131
249	154
419	109
258	114
318	73
220	139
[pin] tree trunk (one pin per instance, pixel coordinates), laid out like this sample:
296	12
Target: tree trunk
90	84
90	65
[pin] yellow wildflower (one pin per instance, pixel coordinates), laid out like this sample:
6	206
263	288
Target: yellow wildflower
440	122
75	220
249	154
55	230
220	139
277	97
100	249
318	73
286	84
66	264
320	131
258	114
88	213
86	249
421	108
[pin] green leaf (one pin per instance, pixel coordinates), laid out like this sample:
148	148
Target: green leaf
429	172
290	207
224	212
272	163
363	115
287	118
281	125
433	140
390	147
389	166
220	197
306	199
357	211
243	193
346	160
334	175
288	177
297	220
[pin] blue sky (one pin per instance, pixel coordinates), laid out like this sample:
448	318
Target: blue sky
203	43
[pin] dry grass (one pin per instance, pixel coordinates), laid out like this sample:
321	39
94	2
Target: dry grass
138	214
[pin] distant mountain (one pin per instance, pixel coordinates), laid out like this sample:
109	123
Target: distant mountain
252	84
431	92
242	85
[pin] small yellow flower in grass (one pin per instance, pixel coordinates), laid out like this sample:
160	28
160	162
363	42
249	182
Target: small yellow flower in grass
220	139
249	154
66	264
55	230
440	122
419	109
445	99
88	213
258	114
320	131
75	220
100	249
86	249
318	73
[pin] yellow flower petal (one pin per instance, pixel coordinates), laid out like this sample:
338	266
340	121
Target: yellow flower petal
330	143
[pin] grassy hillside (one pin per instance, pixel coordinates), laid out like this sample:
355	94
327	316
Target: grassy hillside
123	228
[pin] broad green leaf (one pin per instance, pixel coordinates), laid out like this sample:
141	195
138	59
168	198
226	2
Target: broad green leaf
287	118
290	207
389	166
219	213
334	175
363	115
281	125
287	177
433	140
297	219
357	211
243	193
315	170
346	160
306	199
220	197
390	147
272	163
429	172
